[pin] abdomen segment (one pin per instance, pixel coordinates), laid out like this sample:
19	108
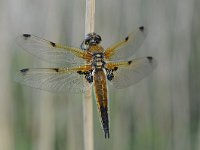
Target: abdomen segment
102	99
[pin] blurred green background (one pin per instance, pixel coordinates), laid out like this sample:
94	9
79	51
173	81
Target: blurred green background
159	113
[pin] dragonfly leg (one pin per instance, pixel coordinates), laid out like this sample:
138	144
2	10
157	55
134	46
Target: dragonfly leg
109	74
89	76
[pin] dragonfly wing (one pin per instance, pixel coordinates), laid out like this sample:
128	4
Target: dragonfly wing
130	72
50	51
54	79
124	50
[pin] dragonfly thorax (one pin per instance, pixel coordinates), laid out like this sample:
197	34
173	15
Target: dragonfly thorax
98	61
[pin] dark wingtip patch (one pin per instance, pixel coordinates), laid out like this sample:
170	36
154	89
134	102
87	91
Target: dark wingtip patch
129	62
26	36
126	39
53	44
150	59
24	71
141	28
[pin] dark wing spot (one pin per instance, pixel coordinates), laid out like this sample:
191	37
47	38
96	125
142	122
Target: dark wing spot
53	44
115	68
126	39
24	71
79	72
129	62
55	69
85	73
26	36
141	28
150	59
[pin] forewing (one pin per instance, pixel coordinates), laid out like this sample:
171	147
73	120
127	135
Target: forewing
54	79
124	50
129	73
50	51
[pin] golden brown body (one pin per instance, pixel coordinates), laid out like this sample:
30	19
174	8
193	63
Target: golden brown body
97	65
102	98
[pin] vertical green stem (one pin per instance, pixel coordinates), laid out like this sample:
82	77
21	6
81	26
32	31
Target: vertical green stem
87	97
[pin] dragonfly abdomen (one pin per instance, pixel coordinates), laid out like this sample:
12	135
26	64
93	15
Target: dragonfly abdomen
102	99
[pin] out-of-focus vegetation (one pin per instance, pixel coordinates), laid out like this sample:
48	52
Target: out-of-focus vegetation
159	113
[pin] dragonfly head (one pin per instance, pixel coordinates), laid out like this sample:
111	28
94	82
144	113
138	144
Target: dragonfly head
92	39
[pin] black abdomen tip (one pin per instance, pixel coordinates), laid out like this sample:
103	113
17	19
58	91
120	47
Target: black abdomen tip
107	134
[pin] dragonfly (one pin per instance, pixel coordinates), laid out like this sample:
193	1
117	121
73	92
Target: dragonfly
87	66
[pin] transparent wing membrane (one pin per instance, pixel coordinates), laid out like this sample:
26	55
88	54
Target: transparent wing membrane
79	68
130	72
52	52
124	50
54	79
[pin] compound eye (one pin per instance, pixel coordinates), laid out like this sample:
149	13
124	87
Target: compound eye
98	38
87	41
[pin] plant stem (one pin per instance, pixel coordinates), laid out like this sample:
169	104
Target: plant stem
87	97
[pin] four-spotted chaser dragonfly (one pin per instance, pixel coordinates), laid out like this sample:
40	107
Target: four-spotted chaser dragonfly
86	66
